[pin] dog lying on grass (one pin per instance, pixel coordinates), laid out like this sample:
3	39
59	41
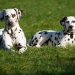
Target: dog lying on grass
12	34
56	38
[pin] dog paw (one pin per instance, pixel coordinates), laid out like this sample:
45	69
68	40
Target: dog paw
62	46
38	46
22	50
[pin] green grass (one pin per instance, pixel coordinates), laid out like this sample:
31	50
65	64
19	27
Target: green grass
39	15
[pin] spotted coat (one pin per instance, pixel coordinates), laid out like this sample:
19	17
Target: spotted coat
56	38
12	34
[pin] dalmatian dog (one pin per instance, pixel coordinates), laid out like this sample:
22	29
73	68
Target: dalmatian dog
56	38
12	34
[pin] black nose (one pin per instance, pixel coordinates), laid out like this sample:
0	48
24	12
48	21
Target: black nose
71	27
10	23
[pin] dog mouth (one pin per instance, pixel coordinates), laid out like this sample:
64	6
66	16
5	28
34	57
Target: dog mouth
10	24
70	28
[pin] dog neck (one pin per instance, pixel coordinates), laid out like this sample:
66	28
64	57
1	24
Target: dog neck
12	29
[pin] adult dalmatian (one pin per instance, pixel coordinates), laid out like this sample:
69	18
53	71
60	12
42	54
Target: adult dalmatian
12	34
56	38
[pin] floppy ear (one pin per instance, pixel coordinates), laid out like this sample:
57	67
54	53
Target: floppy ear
2	15
62	22
18	12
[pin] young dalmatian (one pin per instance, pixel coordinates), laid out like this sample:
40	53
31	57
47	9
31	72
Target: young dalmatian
56	38
12	34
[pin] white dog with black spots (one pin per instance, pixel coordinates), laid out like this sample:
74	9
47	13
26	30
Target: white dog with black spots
12	34
56	38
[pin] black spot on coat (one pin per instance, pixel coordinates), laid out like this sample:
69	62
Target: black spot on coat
40	32
71	36
45	32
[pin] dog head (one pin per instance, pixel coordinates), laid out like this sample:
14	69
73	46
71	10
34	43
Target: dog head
68	23
10	16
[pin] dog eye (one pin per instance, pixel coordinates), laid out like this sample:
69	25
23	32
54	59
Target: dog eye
73	21
67	22
13	15
6	16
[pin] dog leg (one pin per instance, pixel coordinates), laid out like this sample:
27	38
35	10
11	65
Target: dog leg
40	42
6	42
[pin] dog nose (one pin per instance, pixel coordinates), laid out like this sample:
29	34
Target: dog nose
71	27
10	23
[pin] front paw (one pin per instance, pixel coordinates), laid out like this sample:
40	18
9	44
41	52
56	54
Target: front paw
22	50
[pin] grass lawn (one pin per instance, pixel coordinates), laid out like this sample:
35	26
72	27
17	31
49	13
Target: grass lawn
48	60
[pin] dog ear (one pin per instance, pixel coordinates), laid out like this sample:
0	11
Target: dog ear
19	13
2	15
62	22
